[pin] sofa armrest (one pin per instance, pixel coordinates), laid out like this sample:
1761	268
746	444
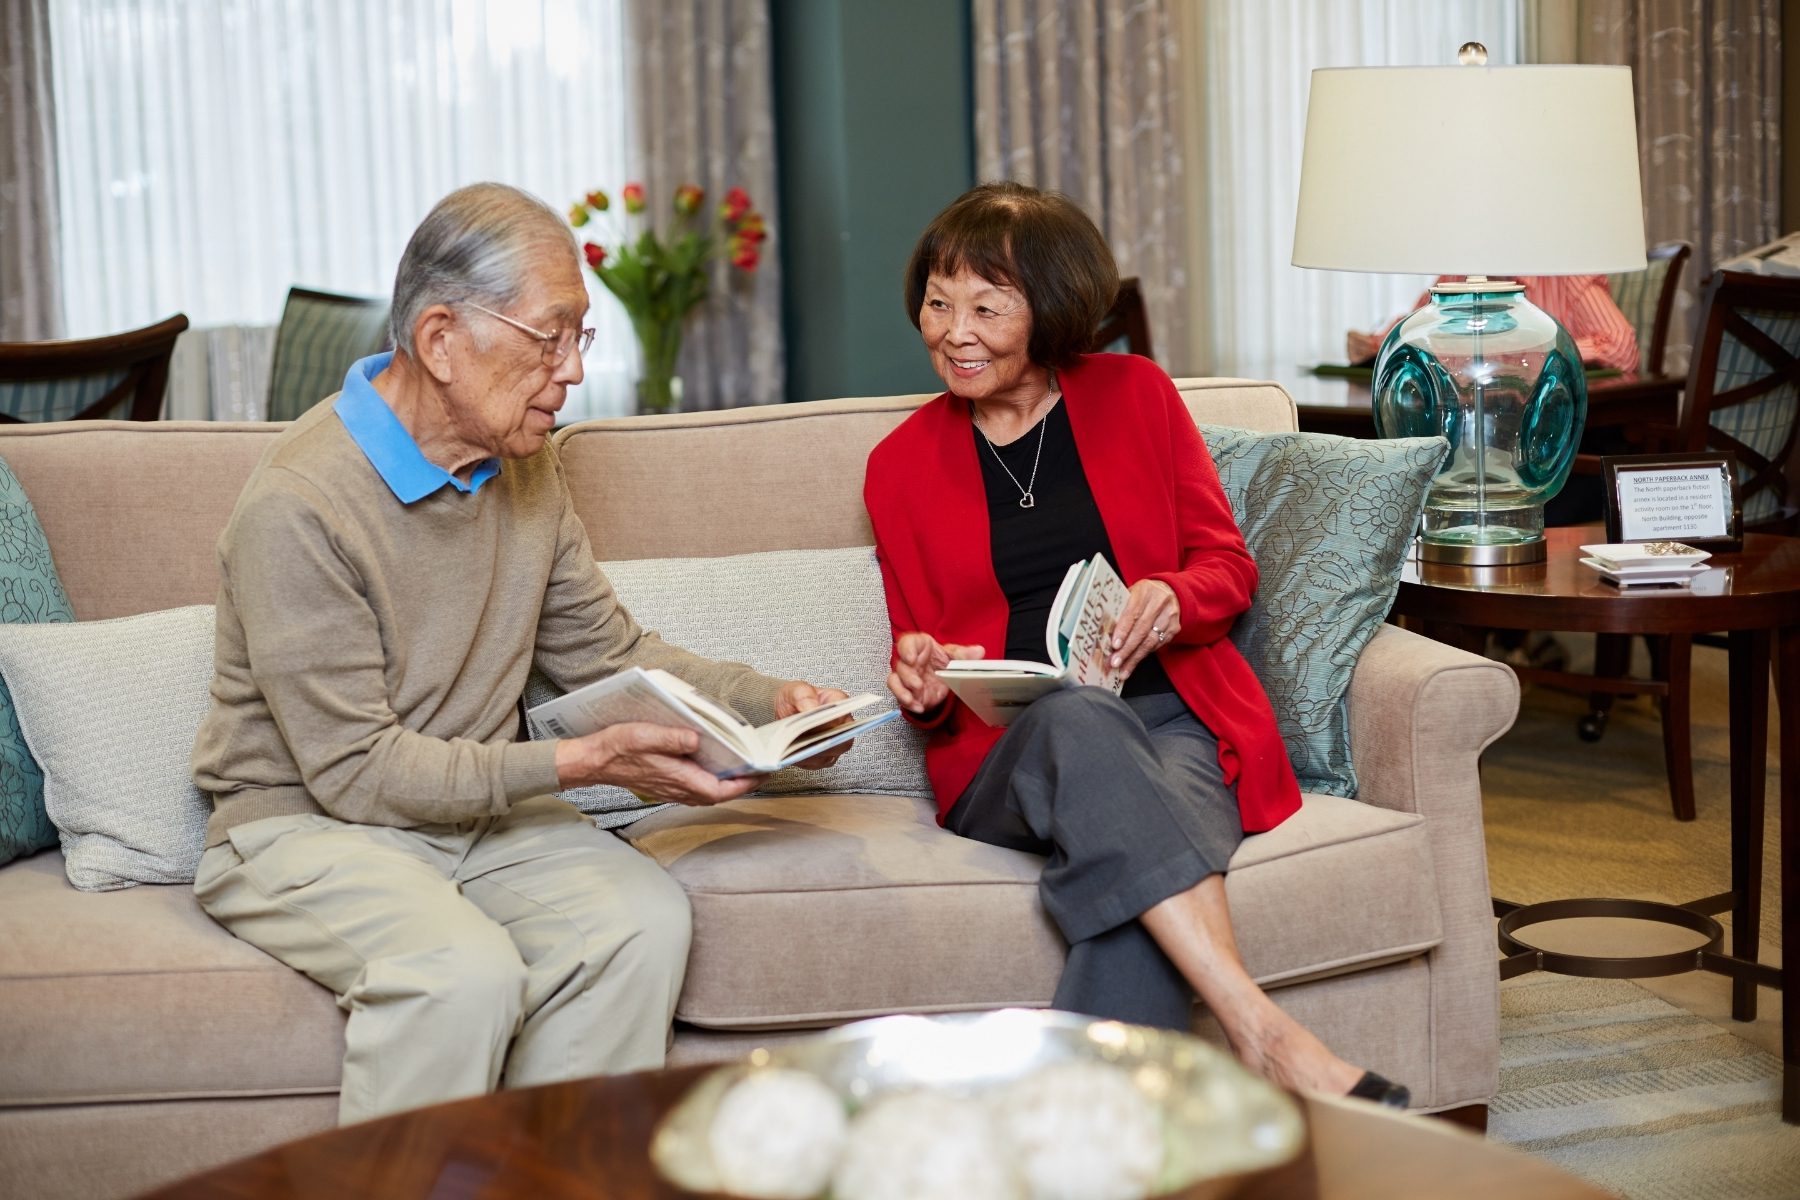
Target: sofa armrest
1421	713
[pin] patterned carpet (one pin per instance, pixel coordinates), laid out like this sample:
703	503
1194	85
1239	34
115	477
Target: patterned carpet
1640	1097
1602	1077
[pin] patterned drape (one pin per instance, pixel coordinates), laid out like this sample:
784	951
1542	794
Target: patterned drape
30	287
1084	96
701	80
1707	74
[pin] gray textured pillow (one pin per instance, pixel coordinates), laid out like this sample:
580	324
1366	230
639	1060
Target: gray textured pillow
817	615
110	710
1329	521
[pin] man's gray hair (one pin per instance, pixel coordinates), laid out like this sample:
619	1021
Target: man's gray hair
472	246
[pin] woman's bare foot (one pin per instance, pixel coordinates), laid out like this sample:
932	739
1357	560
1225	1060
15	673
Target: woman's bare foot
1285	1052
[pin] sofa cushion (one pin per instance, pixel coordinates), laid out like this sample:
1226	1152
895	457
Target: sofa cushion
818	909
110	709
818	615
1329	521
30	592
138	994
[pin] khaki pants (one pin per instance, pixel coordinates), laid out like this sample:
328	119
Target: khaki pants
522	949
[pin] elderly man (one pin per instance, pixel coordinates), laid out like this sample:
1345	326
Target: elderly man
400	558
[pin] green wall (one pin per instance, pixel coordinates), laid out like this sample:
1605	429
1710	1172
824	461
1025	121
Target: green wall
874	129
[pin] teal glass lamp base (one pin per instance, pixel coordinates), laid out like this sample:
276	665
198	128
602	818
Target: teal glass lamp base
1501	381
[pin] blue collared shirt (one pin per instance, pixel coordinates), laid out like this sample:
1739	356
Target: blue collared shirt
389	448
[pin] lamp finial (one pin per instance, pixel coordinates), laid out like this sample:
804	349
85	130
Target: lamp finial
1472	54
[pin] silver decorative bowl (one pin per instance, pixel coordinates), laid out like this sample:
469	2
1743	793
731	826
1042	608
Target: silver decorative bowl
1220	1122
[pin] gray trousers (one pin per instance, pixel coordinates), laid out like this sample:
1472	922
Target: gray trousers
526	948
1126	801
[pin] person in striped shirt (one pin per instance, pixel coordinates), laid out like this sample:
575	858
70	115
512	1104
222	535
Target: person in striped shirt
1583	303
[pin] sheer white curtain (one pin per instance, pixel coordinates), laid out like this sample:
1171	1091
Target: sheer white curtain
1253	64
215	152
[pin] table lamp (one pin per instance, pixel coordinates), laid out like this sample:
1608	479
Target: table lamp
1486	172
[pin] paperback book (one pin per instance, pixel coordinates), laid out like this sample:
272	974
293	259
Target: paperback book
729	745
1077	641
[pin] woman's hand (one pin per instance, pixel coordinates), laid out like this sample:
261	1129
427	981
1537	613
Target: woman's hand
1151	619
648	760
917	659
800	696
1360	347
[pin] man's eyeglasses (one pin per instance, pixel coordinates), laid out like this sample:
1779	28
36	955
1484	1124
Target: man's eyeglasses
556	345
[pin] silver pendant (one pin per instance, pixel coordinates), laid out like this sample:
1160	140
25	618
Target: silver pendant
1026	501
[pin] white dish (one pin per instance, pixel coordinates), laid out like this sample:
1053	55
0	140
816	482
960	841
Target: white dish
1630	556
1648	575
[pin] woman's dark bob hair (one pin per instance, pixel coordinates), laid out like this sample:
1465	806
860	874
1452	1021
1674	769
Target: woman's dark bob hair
1038	242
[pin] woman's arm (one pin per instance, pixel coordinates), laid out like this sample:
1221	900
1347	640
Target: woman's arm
1217	577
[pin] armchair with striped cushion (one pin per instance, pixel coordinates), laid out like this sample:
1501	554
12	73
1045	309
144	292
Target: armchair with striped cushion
120	376
1647	298
320	335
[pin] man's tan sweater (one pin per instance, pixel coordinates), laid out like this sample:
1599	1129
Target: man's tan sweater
371	654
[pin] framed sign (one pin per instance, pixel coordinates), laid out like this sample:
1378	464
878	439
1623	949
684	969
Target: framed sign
1688	498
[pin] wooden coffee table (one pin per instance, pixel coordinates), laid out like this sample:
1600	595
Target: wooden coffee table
590	1138
1754	596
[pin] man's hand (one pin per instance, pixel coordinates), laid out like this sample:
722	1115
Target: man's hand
1151	619
800	696
917	659
649	760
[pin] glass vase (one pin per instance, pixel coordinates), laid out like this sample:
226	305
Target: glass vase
658	388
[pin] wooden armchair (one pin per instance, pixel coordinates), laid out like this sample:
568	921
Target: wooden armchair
1742	398
121	375
1647	298
1126	321
320	335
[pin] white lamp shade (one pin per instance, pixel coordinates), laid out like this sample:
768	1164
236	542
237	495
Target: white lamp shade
1469	170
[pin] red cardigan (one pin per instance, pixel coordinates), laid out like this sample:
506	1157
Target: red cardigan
1168	519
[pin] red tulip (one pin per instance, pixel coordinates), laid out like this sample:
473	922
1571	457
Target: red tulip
688	199
745	256
735	205
598	201
578	215
633	195
753	230
596	254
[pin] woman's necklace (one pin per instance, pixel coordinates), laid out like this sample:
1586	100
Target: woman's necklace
1026	499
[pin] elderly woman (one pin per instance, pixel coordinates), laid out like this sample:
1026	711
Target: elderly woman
1036	457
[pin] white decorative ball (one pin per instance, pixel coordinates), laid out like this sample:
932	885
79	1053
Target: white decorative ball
776	1134
1082	1131
925	1146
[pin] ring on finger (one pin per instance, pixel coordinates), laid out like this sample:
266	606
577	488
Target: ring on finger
1160	635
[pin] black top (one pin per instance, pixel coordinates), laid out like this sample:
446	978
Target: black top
1033	547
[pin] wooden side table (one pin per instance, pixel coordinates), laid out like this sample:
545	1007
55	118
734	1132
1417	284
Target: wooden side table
590	1138
1753	595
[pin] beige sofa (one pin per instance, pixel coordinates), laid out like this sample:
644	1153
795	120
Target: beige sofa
139	1042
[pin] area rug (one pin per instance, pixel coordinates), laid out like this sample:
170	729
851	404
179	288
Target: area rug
1610	1082
1637	1096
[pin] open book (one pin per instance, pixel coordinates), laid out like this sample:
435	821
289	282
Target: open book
1077	638
729	745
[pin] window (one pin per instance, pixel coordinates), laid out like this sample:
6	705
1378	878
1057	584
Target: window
1257	63
213	153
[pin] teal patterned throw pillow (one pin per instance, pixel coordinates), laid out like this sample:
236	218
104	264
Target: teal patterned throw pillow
30	593
1329	521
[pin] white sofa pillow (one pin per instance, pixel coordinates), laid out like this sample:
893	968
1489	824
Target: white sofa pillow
817	615
110	710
